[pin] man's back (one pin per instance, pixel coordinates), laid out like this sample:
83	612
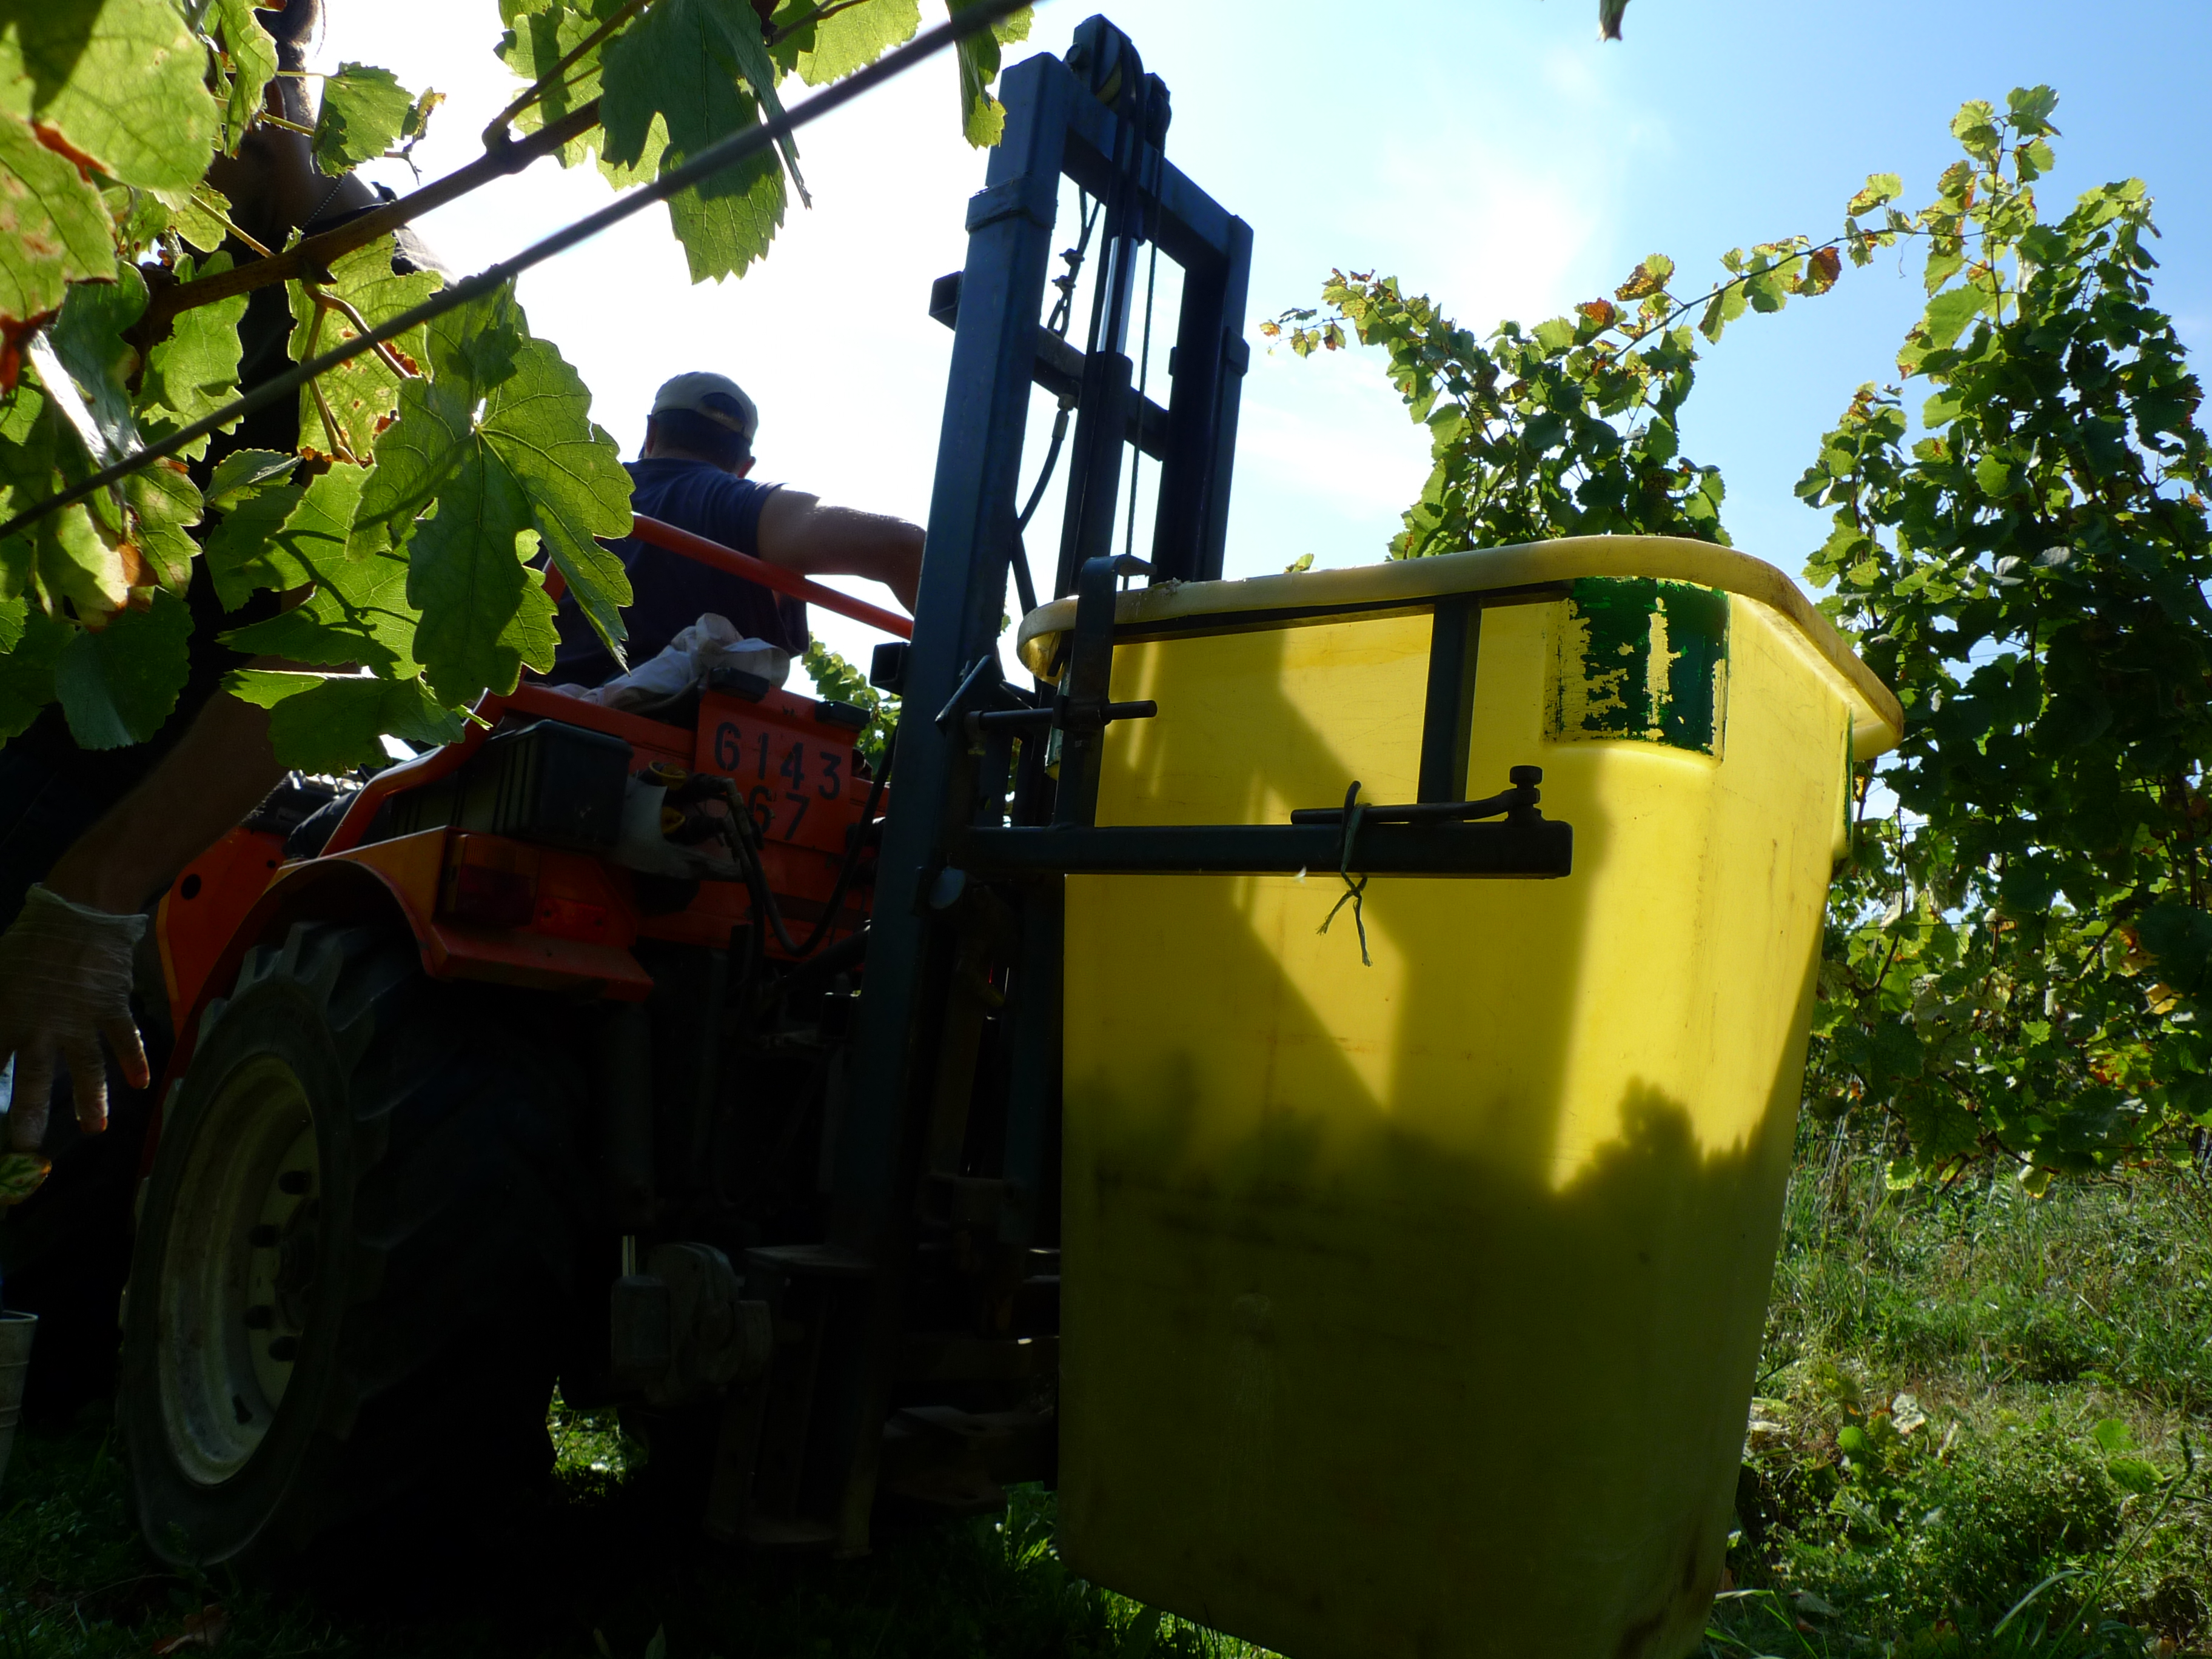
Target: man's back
673	592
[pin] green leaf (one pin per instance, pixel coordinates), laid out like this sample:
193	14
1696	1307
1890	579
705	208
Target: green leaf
118	683
361	392
539	422
725	231
362	113
242	554
539	38
1556	334
197	215
2134	1473
2112	1435
1949	313
848	40
330	723
1882	188
88	341
2179	939
502	437
687	62
62	558
193	372
284	536
164	506
2030	108
1722	309
358	614
983	118
123	81
252	57
54	229
484	615
26	666
1975	127
244	473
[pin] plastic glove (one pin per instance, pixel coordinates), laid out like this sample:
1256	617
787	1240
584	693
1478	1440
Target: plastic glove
65	984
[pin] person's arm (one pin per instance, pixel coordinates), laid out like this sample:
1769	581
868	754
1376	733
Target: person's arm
65	967
799	532
221	769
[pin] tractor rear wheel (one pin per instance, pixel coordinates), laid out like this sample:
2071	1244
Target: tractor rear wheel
358	1252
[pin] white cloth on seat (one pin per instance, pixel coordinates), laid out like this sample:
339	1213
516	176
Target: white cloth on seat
709	643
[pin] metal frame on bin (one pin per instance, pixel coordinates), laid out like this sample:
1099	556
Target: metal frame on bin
961	880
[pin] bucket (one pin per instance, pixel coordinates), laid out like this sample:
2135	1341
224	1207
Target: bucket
16	1330
1415	1308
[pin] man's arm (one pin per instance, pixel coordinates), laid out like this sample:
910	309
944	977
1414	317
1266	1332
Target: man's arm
65	973
221	769
798	532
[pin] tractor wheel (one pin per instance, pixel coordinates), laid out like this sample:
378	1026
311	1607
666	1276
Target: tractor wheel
356	1255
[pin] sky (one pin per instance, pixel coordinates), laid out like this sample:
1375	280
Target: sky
1493	153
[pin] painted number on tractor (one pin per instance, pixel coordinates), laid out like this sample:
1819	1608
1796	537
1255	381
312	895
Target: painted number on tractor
787	775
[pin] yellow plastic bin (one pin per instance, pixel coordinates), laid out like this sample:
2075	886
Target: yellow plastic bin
1414	1309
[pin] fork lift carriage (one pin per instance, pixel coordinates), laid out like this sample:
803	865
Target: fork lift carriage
686	1059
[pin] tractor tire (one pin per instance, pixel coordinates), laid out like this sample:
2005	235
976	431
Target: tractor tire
357	1255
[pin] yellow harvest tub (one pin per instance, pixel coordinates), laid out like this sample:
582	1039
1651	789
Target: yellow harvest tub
1414	1309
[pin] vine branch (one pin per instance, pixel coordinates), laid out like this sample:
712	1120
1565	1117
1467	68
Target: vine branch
314	254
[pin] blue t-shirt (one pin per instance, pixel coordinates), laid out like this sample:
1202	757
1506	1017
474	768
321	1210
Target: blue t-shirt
670	592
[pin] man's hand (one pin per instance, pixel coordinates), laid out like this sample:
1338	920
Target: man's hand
64	985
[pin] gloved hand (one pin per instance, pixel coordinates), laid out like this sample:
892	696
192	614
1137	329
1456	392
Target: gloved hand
65	984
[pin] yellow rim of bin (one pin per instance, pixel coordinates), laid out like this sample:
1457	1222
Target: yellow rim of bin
1528	571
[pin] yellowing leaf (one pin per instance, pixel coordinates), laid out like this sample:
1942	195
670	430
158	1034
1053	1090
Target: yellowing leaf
123	81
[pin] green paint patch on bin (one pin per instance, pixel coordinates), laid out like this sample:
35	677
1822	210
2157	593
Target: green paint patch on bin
1643	661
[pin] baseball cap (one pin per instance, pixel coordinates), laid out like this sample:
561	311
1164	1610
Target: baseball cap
716	398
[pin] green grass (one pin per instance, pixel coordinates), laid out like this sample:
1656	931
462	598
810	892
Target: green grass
1981	1422
2038	1491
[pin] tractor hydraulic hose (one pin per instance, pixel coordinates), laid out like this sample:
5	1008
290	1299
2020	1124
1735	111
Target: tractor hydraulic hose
740	836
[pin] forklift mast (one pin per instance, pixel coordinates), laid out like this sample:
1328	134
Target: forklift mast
1095	118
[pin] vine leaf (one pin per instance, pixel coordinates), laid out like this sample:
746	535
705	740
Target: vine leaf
850	37
118	682
54	230
691	62
89	344
252	57
164	505
363	391
26	664
284	536
358	613
194	370
62	557
243	473
196	215
982	116
501	437
124	83
364	110
540	34
332	722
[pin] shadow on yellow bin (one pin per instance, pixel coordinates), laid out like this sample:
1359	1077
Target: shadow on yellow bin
1414	1309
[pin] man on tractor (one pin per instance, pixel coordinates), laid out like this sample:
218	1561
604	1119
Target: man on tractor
694	473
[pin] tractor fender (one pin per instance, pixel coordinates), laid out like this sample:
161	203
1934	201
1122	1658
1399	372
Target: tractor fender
396	882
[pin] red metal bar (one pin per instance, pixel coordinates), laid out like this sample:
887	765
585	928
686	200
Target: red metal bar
735	564
776	576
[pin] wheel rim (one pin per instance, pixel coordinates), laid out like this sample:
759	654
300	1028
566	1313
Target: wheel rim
240	1268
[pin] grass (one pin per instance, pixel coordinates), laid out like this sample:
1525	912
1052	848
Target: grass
1979	1430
